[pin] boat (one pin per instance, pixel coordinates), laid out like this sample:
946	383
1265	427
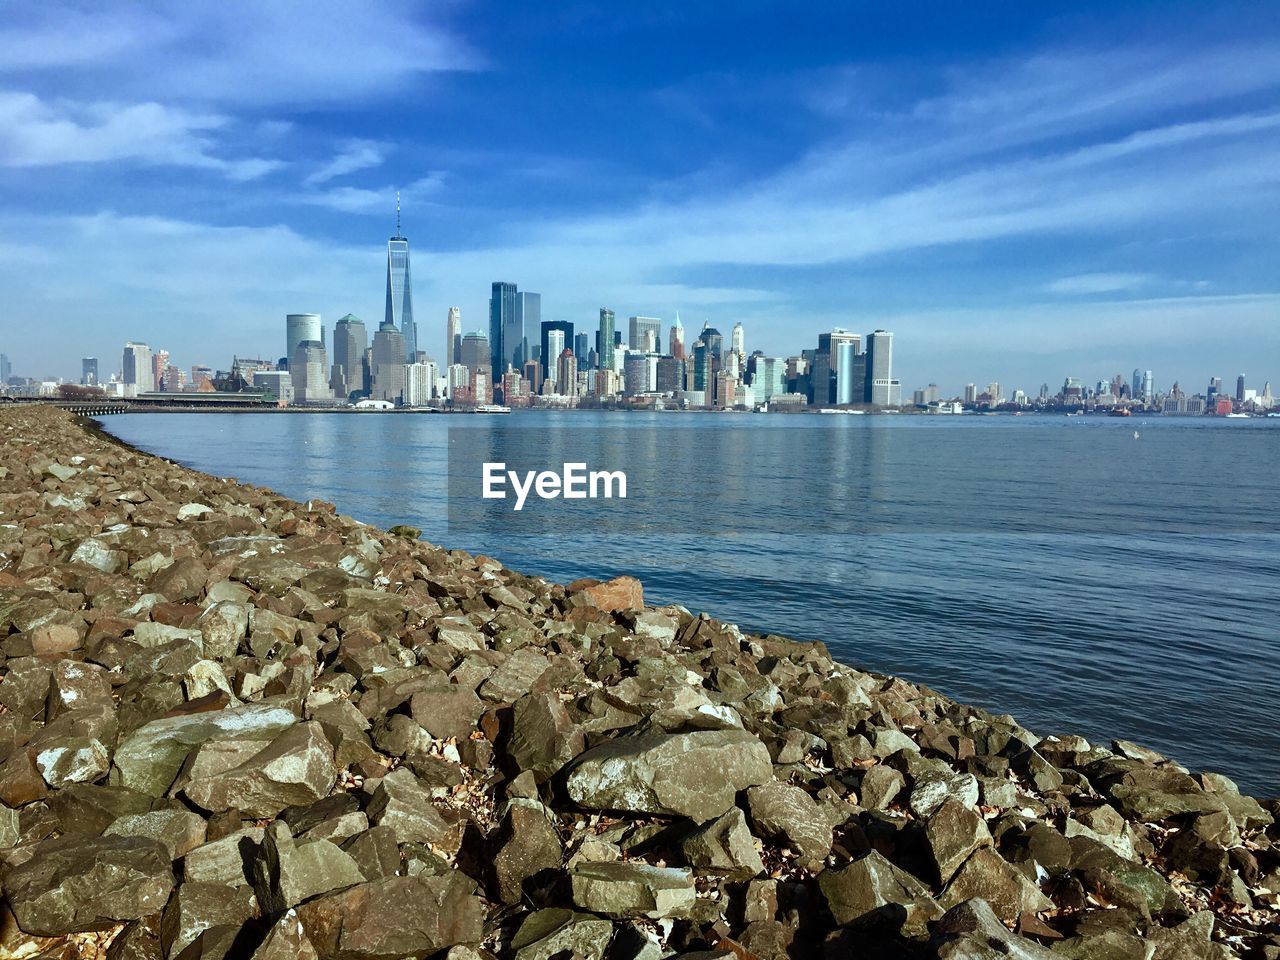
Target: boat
492	408
1120	412
852	413
1237	416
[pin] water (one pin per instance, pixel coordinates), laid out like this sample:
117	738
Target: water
1058	569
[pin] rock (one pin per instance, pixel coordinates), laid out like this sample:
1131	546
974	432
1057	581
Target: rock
543	737
225	860
873	890
287	872
181	831
405	806
781	810
527	845
294	769
633	889
149	758
620	593
971	931
286	940
96	554
73	760
394	918
880	786
933	788
76	884
54	638
693	775
193	511
197	907
953	833
554	933
986	876
724	847
446	712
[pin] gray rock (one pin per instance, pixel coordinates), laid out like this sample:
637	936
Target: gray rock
872	888
288	872
73	760
881	784
149	758
286	940
971	931
181	831
394	918
553	933
543	737
724	847
788	812
197	907
953	833
403	804
986	876
633	889
446	712
226	860
526	845
295	769
76	884
694	775
933	787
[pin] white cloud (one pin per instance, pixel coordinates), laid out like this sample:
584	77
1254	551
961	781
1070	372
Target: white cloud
355	155
35	133
230	52
1088	283
376	202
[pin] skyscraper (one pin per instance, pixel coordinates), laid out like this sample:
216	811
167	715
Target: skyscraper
1240	389
89	371
882	390
527	323
159	361
606	338
676	343
388	363
307	370
300	327
581	348
567	374
556	336
714	341
453	336
502	323
136	368
645	334
6	369
400	290
737	340
350	338
474	353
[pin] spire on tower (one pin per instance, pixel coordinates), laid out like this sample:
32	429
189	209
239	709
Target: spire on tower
397	213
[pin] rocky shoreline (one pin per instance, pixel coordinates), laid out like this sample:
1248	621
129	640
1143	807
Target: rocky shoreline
234	725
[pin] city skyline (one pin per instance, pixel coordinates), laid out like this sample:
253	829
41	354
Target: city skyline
1117	208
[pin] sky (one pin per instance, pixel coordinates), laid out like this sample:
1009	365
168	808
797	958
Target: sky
1019	192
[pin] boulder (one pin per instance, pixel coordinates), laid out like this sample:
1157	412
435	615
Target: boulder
787	812
971	931
620	593
555	932
543	737
695	775
873	890
294	769
633	889
76	884
986	875
527	844
287	872
724	847
953	833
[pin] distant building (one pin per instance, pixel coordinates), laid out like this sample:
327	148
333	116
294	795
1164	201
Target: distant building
769	378
971	393
277	382
89	371
201	378
882	389
528	322
453	337
645	334
567	373
6	369
159	361
475	354
737	340
350	340
419	383
635	374
388	364
605	343
557	335
582	349
1240	389
502	327
136	369
399	312
309	371
675	346
300	327
669	375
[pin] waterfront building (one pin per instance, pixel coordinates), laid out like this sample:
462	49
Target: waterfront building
89	371
201	378
350	339
277	382
173	379
453	337
675	345
528	322
557	335
971	392
502	326
645	334
635	374
388	363
669	375
300	327
419	383
481	387
850	368
606	341
159	360
309	369
474	352
769	378
737	340
533	373
567	373
702	366
399	312
6	369
136	370
1148	387
882	389
1240	389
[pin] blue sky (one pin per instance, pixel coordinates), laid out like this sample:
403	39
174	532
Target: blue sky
1019	195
